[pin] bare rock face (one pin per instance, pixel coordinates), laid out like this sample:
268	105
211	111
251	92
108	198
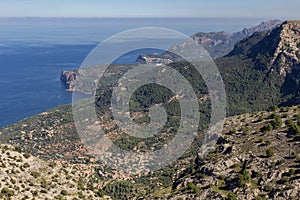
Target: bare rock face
69	77
287	53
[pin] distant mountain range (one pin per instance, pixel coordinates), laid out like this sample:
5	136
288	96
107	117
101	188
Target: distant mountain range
218	44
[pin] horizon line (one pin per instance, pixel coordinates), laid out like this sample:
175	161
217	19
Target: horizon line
154	17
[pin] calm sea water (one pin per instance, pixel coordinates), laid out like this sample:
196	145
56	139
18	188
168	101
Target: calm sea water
34	51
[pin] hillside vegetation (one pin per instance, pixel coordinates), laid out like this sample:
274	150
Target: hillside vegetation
257	156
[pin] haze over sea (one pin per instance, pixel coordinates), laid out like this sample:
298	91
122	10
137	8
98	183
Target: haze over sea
33	51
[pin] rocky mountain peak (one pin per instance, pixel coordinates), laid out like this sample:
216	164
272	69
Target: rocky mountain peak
287	53
265	26
278	49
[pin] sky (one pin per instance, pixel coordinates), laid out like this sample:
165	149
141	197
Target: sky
279	9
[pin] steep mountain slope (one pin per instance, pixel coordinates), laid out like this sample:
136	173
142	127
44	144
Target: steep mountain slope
278	49
218	44
257	158
263	68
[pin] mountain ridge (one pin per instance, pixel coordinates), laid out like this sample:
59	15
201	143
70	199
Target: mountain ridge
218	44
279	48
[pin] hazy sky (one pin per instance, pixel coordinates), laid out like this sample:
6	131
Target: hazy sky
281	9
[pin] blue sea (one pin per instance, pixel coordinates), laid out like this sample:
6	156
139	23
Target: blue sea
34	51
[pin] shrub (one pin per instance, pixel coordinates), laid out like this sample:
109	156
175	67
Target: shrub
293	155
18	149
245	130
64	192
26	165
294	128
232	131
44	184
279	162
35	174
25	197
26	155
35	193
231	196
298	119
261	118
284	180
277	123
191	186
52	164
80	184
243	177
269	153
7	192
284	109
268	142
246	175
274	108
44	191
241	181
272	116
268	188
289	122
292	171
266	128
13	181
260	140
101	193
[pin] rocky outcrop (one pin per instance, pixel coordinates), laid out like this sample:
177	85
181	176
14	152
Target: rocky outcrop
261	165
87	80
69	77
287	53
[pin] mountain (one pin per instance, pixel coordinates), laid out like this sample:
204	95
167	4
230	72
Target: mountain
265	67
257	156
218	44
262	70
278	49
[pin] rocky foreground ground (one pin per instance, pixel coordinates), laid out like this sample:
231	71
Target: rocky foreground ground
256	158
